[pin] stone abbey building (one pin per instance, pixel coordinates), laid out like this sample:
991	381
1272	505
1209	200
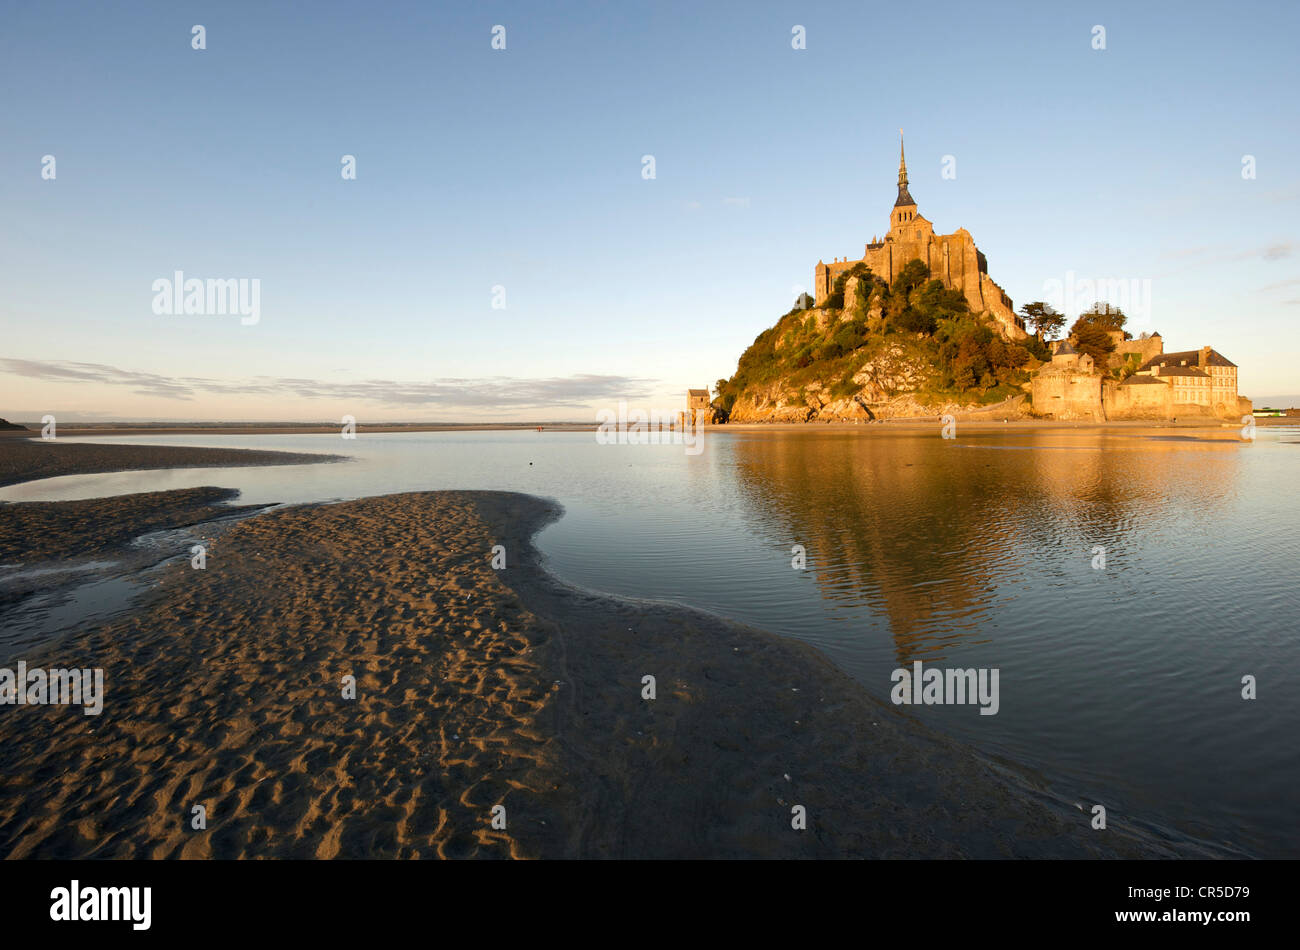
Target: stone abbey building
952	258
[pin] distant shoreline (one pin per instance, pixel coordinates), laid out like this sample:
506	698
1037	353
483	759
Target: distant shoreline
81	431
85	430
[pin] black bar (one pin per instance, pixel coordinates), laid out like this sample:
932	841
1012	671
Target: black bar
379	900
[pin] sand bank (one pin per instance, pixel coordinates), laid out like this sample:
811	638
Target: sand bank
477	688
22	460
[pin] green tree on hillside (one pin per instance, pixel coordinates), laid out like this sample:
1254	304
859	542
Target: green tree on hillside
1093	332
860	270
1094	340
966	353
916	320
912	275
1044	318
1105	315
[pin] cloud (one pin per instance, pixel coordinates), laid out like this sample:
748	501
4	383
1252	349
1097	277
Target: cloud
145	383
497	392
1279	285
1269	252
1191	256
1190	252
736	202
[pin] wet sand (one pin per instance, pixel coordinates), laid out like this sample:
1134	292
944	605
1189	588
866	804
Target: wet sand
95	536
68	530
475	688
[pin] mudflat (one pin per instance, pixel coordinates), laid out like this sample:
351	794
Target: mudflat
229	688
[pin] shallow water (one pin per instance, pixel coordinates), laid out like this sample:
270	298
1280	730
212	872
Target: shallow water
1120	685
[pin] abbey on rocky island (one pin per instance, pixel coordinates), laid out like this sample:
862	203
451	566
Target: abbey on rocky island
952	258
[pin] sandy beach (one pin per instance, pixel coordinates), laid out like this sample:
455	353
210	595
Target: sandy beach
475	688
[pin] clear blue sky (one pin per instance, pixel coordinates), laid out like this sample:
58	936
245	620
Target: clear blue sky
522	168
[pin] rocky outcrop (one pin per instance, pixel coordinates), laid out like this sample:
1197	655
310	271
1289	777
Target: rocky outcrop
814	404
817	406
853	296
873	352
890	372
881	377
892	382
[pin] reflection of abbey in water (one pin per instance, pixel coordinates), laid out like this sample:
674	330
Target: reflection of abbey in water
911	537
951	258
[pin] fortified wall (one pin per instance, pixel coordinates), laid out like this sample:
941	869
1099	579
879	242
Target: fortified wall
1167	385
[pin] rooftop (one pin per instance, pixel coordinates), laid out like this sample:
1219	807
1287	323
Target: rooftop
1191	357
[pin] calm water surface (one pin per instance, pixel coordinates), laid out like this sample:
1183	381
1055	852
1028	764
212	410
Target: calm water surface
1119	686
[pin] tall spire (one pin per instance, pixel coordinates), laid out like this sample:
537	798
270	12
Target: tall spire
904	197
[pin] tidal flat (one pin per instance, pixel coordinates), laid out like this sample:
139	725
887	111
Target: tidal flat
477	688
772	682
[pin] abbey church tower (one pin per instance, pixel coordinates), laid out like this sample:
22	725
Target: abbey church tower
905	206
952	258
909	233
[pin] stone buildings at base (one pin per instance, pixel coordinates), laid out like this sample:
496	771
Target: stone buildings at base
1140	350
1068	387
699	409
1165	385
952	258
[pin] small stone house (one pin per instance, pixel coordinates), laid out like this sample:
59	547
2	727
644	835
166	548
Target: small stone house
699	408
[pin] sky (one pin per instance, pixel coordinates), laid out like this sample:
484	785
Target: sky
501	252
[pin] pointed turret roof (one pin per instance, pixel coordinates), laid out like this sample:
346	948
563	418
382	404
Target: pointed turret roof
904	197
